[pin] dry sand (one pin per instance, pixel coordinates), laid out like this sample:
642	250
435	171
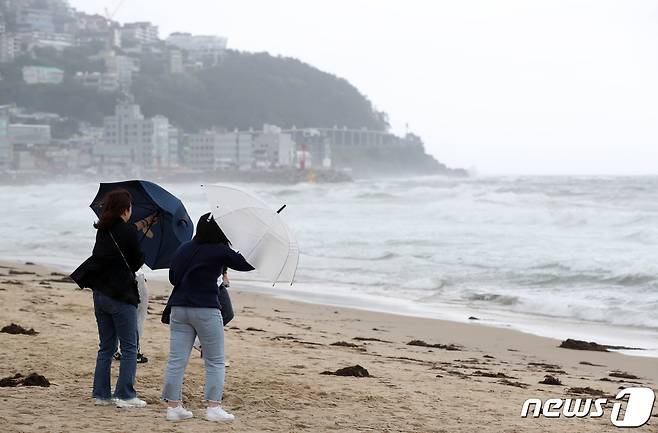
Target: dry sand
277	350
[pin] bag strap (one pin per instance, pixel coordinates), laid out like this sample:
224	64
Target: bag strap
121	252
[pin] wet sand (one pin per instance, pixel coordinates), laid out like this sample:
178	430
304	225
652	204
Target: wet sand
277	350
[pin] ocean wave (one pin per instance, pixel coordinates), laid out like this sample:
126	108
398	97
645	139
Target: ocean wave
493	298
376	195
587	279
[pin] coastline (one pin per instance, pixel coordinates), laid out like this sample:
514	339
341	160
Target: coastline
278	348
556	328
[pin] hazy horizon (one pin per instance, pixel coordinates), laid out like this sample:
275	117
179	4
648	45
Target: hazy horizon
515	87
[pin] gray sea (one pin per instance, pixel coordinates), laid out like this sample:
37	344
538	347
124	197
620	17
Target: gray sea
558	256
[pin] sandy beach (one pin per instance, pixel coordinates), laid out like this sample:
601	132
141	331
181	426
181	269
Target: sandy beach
277	350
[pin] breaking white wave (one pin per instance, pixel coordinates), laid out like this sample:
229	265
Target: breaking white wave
580	248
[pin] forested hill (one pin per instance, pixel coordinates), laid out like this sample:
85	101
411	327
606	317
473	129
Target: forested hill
244	90
249	89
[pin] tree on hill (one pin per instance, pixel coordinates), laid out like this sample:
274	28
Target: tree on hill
249	89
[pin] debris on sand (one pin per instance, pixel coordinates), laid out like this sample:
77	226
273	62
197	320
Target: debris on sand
510	383
60	280
344	344
499	375
251	328
16	272
583	345
473	318
13	282
18	329
32	379
591	363
551	380
370	339
590	345
586	391
354	371
622	375
11	381
421	343
35	379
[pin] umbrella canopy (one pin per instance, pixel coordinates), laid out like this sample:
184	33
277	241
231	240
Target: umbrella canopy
256	230
161	219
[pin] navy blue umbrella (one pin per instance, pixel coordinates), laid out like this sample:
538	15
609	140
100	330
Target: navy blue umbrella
161	219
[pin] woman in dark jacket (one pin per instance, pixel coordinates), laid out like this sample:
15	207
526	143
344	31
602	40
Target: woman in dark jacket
110	273
195	310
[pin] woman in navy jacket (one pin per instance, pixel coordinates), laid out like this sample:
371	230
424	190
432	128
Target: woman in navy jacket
195	310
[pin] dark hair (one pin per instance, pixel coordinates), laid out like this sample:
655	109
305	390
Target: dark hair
114	204
208	231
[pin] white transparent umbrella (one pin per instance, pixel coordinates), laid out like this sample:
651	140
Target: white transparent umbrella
256	231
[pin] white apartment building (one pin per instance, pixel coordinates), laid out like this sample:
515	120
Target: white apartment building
273	148
204	49
5	144
27	134
213	150
130	139
142	33
9	47
123	67
42	75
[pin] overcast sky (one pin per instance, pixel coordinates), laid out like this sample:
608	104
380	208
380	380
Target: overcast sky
507	86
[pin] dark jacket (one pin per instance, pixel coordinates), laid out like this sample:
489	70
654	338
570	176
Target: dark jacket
106	270
195	269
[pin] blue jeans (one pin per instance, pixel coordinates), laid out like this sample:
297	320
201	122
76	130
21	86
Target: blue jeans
186	324
117	322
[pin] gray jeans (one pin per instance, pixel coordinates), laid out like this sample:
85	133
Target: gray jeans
186	324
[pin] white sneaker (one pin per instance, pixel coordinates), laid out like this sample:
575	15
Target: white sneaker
178	413
104	401
131	402
217	414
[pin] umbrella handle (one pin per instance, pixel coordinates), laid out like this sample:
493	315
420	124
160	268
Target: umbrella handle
282	208
148	227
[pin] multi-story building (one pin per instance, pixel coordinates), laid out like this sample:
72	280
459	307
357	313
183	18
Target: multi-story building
176	64
5	145
123	67
34	20
216	149
131	140
103	82
313	148
203	49
42	75
29	135
273	148
141	33
9	47
59	41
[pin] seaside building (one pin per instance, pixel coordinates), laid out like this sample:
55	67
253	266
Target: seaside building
29	135
273	148
313	148
215	149
42	75
131	140
9	47
5	145
202	49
